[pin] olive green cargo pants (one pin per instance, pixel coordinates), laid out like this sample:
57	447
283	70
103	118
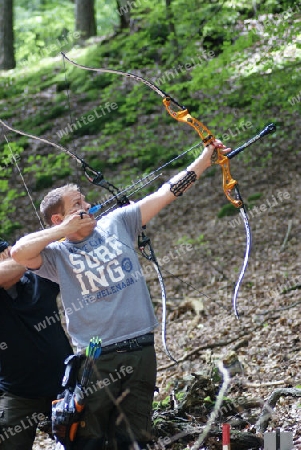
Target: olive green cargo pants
119	399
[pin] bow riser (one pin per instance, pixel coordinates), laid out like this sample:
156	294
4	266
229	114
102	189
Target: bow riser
205	134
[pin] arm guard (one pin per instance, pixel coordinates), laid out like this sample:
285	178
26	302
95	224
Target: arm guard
181	185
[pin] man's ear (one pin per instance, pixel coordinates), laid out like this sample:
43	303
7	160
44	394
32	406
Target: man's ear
57	219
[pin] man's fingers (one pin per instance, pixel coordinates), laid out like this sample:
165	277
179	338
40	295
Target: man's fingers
220	146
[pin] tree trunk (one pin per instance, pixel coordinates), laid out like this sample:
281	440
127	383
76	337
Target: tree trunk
85	22
124	12
169	17
7	56
171	26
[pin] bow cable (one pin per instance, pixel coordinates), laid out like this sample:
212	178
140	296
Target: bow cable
144	244
24	182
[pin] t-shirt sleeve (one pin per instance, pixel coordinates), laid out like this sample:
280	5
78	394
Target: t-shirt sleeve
48	268
130	216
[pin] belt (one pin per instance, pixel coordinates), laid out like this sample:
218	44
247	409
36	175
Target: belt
129	345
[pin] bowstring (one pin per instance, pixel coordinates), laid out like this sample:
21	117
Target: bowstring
70	113
24	182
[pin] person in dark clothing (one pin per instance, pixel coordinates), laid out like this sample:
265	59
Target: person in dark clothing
33	347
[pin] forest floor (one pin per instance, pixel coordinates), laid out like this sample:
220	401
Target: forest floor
201	256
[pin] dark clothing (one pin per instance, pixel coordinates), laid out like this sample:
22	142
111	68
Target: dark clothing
19	418
33	345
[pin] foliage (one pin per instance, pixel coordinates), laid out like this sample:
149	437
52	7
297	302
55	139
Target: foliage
227	210
240	67
197	240
8	209
43	30
48	168
10	157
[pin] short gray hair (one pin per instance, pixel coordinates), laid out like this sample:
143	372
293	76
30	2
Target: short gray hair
53	202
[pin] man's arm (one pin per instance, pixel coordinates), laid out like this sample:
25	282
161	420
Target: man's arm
27	251
10	271
153	203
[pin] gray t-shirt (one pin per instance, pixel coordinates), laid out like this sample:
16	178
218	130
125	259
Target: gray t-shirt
103	289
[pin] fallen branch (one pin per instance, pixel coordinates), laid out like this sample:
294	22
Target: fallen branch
284	308
267	411
268	383
197	350
289	227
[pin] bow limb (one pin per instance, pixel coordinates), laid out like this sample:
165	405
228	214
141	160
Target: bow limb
152	86
267	130
46	141
92	175
147	251
244	215
163	330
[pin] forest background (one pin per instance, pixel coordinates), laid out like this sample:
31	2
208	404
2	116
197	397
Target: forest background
236	65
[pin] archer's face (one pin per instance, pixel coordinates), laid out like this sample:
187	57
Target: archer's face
74	201
75	205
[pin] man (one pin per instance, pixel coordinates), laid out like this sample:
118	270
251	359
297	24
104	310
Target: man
104	294
33	347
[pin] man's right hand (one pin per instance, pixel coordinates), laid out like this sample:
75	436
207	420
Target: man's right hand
77	223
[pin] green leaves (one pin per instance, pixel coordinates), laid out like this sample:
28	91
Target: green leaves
45	169
8	209
43	33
